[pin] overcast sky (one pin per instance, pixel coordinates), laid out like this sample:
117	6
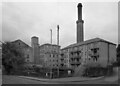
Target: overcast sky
22	20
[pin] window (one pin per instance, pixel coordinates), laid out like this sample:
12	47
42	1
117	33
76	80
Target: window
95	58
62	54
27	56
88	58
62	65
95	50
72	53
77	59
62	59
77	52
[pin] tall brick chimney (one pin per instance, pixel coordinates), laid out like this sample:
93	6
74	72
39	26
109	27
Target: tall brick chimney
80	31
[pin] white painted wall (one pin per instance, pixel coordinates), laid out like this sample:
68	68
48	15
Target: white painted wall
103	54
112	53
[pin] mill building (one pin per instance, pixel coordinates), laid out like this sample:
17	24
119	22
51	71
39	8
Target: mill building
95	50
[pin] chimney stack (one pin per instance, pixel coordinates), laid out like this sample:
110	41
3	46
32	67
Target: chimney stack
58	35
80	31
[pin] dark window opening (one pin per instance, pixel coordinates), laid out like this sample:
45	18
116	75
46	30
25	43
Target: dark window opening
95	51
77	59
95	58
88	58
72	53
62	65
27	56
62	54
62	59
78	53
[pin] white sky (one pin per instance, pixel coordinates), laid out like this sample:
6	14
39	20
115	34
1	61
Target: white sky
22	20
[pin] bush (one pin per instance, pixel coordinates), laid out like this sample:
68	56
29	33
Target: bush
95	72
93	69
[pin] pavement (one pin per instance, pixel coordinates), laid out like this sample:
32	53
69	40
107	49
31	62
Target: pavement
112	78
0	77
68	79
10	79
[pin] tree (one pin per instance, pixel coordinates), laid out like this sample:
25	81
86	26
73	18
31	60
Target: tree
12	57
118	54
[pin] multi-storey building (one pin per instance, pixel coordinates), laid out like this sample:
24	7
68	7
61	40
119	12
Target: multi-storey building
94	50
83	52
90	51
46	55
25	49
64	60
49	55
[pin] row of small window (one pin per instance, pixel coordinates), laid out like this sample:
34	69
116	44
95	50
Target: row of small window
53	60
52	55
75	59
52	65
62	65
77	50
78	54
48	51
64	61
72	59
86	53
75	65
